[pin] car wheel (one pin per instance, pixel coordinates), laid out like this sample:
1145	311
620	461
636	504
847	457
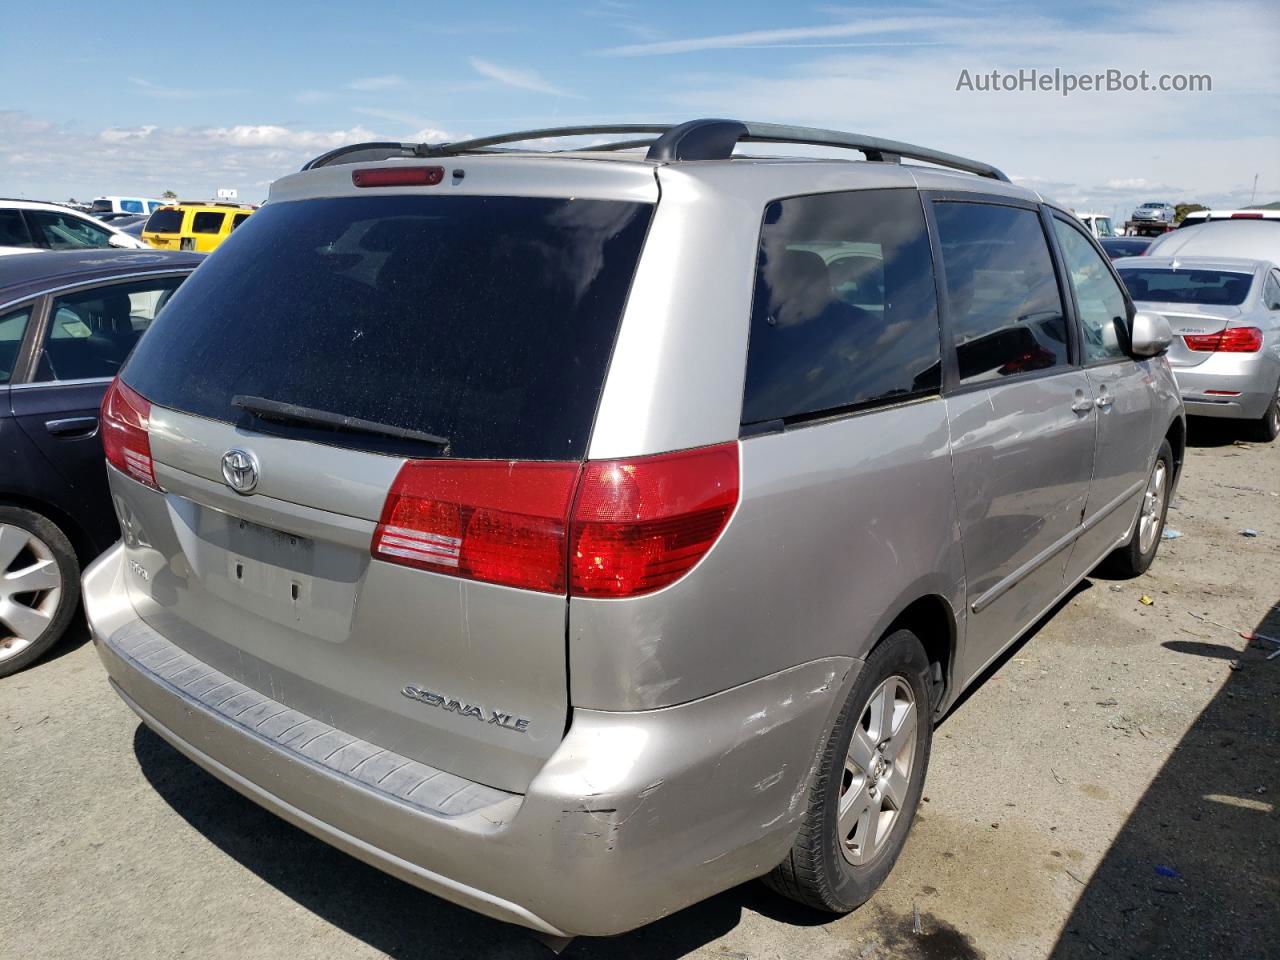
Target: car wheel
869	780
1136	555
1267	428
39	586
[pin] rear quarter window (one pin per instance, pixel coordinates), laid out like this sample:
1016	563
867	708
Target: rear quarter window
164	221
207	222
844	313
487	320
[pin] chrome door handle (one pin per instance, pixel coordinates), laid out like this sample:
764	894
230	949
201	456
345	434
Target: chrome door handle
1103	401
1082	405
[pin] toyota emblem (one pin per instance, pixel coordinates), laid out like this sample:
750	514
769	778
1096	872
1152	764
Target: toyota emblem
240	470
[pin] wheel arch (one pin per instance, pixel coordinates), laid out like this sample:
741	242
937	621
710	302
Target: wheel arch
79	537
931	618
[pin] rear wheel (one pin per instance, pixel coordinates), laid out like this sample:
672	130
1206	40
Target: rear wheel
1267	428
39	586
1136	555
863	800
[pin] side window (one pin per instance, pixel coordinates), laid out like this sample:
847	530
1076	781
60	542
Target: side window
1271	292
238	219
207	222
1006	313
131	206
1099	300
845	311
66	231
91	332
12	327
13	230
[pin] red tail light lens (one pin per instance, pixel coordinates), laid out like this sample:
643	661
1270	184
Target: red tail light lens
397	176
496	521
124	419
639	525
1231	340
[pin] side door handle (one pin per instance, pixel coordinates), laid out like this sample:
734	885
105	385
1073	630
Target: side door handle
1082	404
1104	401
72	427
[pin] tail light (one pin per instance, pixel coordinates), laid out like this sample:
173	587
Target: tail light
1247	216
124	419
397	176
611	528
1230	340
639	525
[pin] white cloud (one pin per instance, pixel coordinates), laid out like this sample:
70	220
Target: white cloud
786	36
520	79
384	82
161	91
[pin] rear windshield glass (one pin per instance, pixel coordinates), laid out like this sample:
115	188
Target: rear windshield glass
165	221
485	320
100	206
1213	287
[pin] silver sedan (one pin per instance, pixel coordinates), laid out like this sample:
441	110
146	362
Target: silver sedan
1225	316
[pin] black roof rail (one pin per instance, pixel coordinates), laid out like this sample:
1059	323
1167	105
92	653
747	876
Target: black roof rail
693	140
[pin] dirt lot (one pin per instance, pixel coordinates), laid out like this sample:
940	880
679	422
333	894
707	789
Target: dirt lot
1109	790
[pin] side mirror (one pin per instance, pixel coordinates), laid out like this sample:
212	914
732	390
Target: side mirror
1151	335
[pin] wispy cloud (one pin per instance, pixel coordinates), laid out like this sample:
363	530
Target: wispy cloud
785	35
165	92
519	79
386	81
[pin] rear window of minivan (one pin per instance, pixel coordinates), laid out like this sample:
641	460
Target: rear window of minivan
486	320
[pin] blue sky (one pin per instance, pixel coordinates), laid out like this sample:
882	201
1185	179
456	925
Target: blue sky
145	97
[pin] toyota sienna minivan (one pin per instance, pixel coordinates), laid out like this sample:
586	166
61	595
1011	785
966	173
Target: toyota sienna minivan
575	535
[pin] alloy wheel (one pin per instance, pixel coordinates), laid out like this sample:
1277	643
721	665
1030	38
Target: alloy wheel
30	589
1153	507
877	770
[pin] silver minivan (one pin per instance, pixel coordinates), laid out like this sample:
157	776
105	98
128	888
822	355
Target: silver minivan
575	535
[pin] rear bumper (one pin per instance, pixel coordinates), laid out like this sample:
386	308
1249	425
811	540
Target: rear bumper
636	814
1249	376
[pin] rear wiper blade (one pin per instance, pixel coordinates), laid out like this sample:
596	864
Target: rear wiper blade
293	413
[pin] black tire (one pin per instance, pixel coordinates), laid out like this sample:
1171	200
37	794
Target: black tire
816	872
1267	427
1131	560
64	557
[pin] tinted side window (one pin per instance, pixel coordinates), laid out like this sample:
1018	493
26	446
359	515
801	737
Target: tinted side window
165	221
91	332
1099	300
1006	312
238	219
845	309
12	327
207	222
65	231
13	230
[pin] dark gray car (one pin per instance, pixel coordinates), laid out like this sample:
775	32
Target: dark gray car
578	535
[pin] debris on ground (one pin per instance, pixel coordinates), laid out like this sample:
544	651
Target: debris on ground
1145	600
1170	534
915	920
1169	872
1248	532
1261	640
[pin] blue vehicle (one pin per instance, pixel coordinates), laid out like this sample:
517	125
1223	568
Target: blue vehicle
68	320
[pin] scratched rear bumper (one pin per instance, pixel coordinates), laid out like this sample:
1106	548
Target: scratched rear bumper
635	816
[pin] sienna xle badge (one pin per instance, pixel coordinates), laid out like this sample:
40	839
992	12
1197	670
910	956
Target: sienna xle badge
622	516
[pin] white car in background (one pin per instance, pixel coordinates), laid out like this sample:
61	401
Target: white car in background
29	225
1099	224
1247	239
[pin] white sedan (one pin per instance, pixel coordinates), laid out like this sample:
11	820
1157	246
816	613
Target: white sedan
28	225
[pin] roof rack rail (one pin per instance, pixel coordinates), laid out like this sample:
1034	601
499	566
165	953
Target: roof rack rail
693	140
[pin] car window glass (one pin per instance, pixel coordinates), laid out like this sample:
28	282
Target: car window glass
1099	299
93	331
131	206
65	231
1006	314
13	230
12	327
1271	292
238	219
207	222
845	310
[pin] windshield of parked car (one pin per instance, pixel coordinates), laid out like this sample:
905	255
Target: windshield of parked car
487	320
1220	288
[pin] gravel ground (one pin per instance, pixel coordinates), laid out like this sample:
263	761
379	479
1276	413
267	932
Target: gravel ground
1109	789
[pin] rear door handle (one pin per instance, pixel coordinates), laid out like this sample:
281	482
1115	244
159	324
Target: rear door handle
72	427
1104	401
1082	404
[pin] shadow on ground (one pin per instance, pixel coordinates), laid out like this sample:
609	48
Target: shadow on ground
1195	871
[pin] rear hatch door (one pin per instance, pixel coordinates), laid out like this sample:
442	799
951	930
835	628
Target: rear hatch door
486	321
